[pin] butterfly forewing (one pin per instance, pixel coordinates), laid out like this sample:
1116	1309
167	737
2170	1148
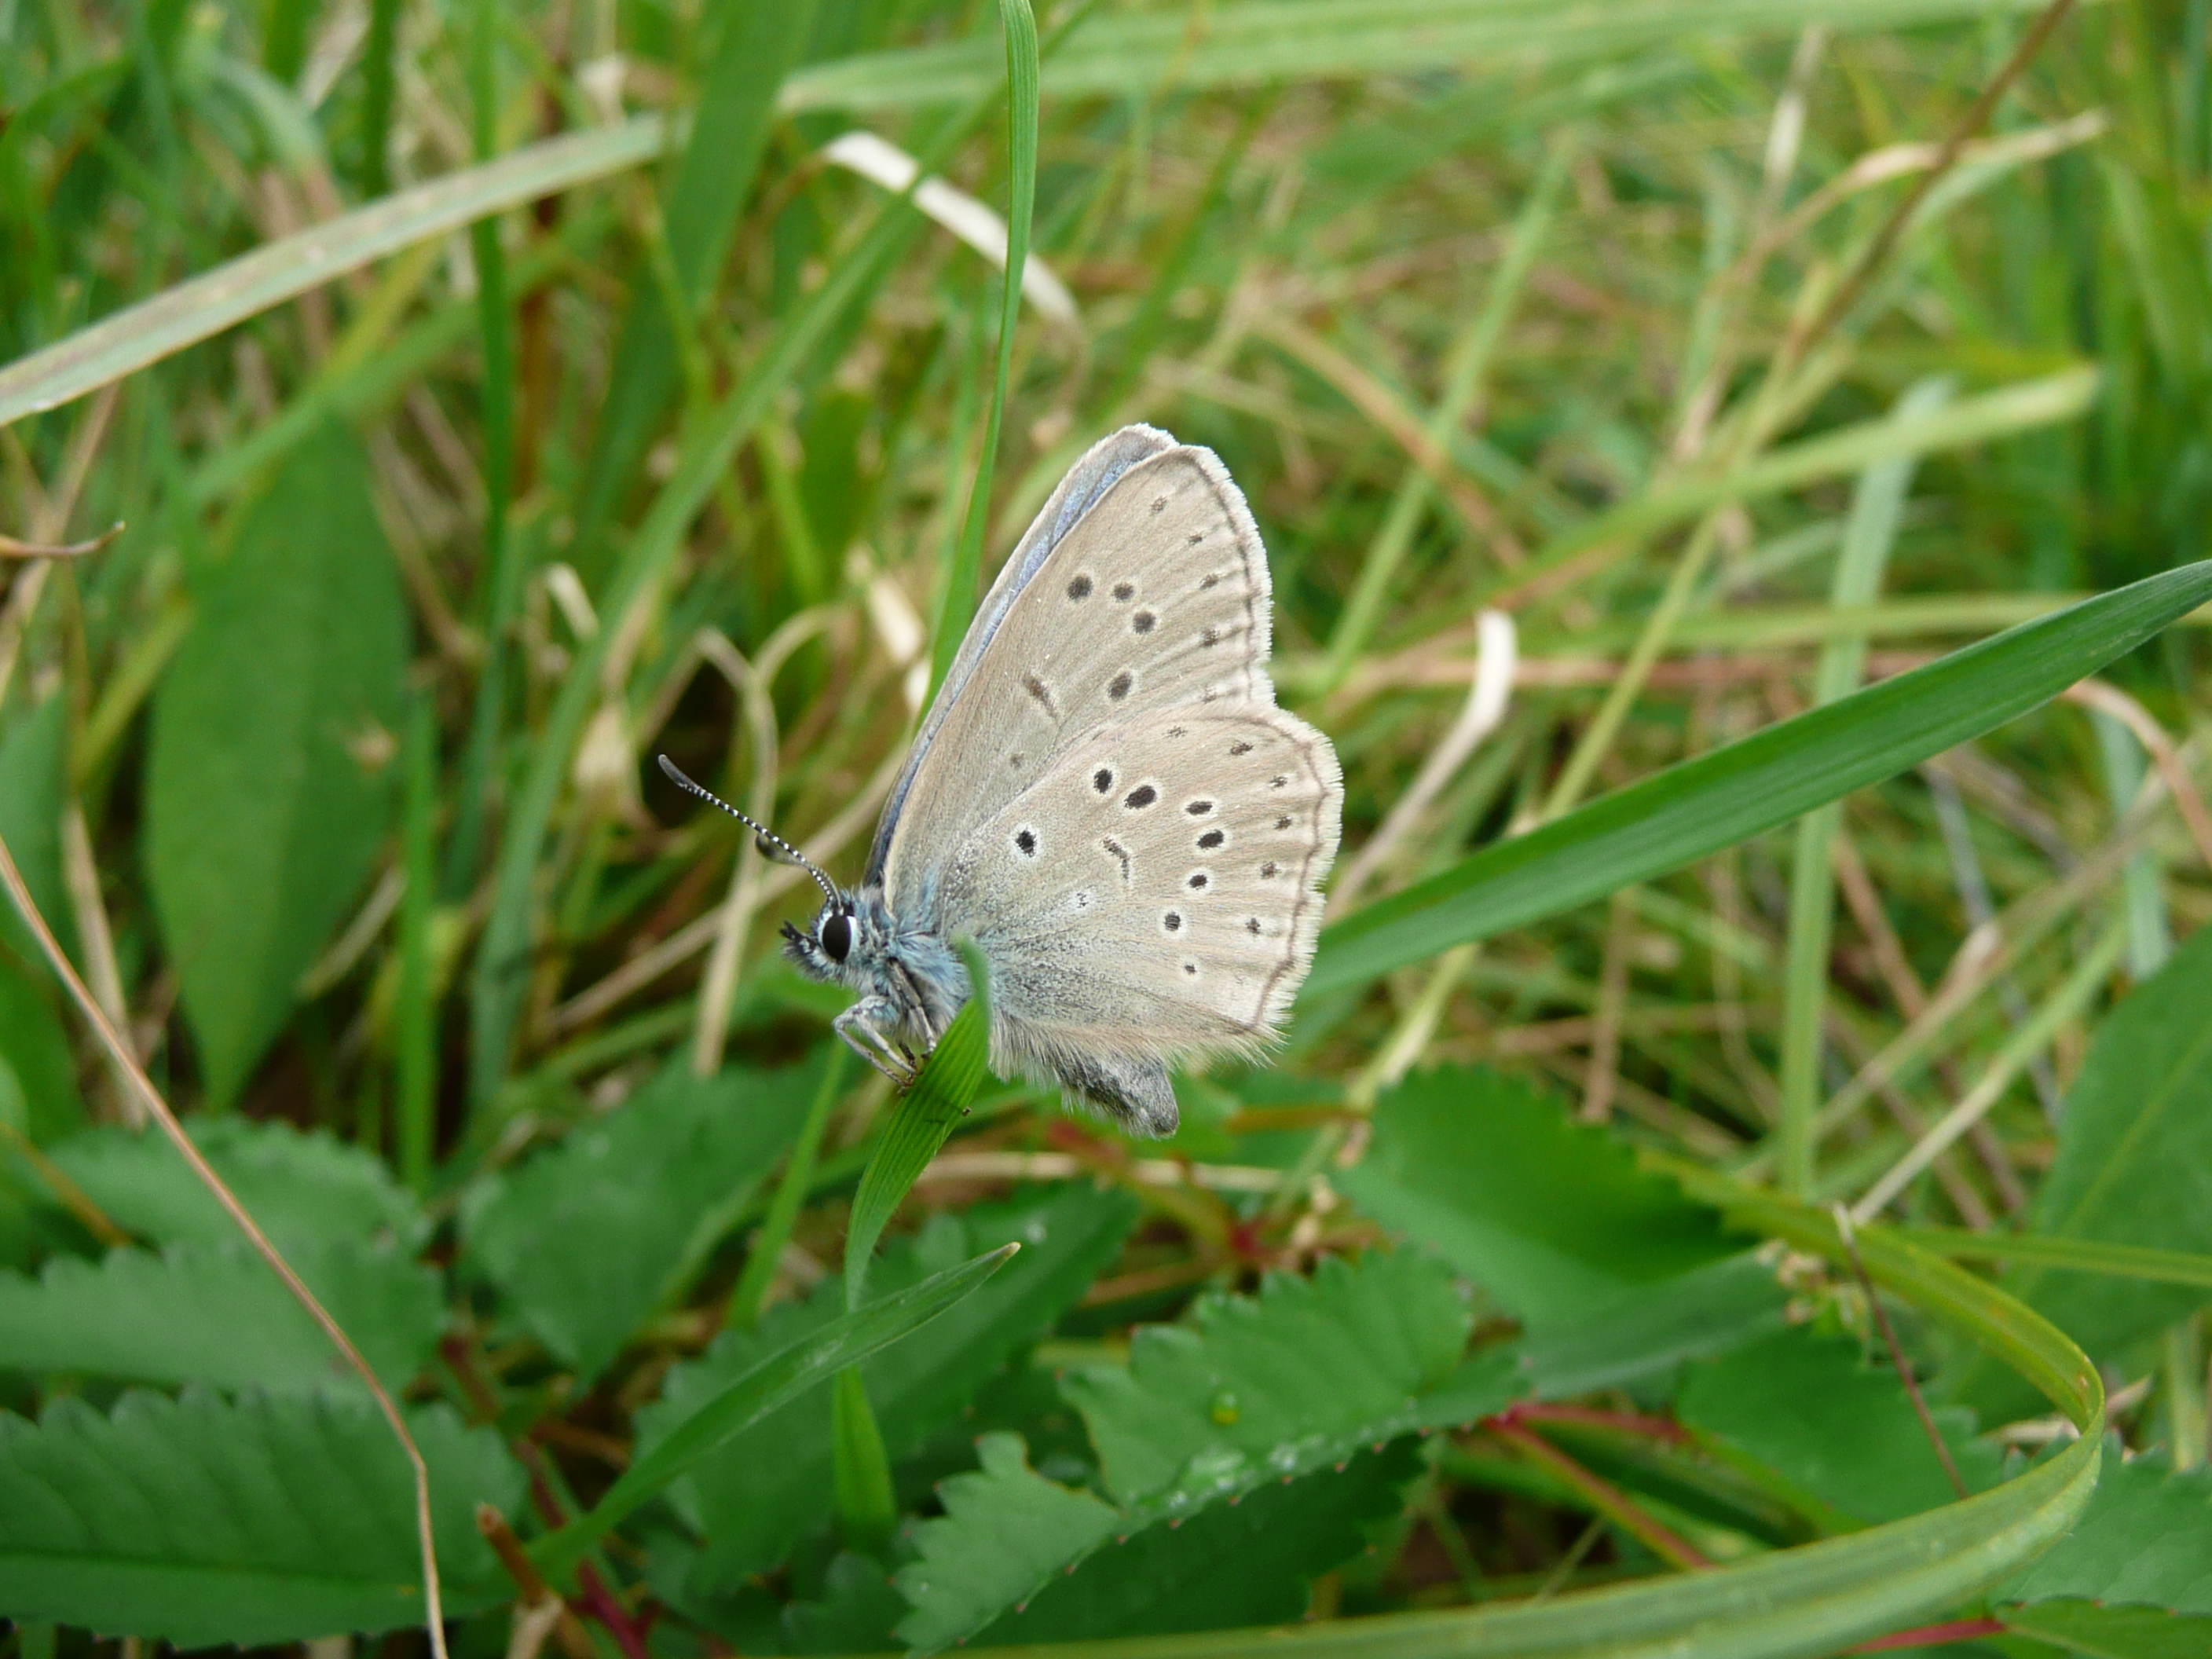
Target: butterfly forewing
1157	596
1156	891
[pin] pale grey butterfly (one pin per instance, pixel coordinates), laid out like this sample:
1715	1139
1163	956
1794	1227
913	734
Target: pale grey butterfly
1104	798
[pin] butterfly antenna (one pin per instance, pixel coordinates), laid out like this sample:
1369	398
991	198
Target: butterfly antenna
771	843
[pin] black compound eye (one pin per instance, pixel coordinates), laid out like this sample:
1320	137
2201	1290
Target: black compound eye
837	937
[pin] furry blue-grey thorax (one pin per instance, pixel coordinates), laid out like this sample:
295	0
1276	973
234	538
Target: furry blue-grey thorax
909	981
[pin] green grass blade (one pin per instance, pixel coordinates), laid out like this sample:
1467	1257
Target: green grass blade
1019	25
2083	1256
758	45
1877	506
923	1117
1722	797
1128	54
284	269
813	1359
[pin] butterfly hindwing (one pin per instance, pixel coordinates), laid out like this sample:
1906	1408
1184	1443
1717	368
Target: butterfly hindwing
1156	892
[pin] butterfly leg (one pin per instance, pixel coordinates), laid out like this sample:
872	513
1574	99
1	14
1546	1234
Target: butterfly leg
858	1025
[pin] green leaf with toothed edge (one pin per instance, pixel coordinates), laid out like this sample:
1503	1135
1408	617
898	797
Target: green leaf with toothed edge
264	1519
1734	792
1799	1603
1252	1392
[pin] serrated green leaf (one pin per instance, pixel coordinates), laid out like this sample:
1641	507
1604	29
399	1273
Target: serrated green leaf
2102	1633
1245	1563
303	1189
587	1238
776	1379
268	788
1551	1217
34	782
772	1485
1733	793
857	1609
266	1519
2134	1166
1809	1408
1006	1531
2146	1539
1254	1389
217	1315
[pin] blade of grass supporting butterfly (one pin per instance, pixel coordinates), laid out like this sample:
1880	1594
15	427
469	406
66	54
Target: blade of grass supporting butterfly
790	1371
1019	25
1764	780
924	1115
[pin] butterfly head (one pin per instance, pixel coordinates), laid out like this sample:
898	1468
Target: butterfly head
840	946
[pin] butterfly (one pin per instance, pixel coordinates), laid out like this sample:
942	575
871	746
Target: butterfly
1103	796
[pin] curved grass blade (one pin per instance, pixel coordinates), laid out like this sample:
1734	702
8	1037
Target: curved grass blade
925	1115
813	1359
2081	1255
239	289
1767	779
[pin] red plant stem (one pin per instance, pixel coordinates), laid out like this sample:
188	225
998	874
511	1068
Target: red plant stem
1958	1629
1602	1495
600	1603
1654	1428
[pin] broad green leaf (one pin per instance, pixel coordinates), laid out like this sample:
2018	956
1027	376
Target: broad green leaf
190	311
269	783
1007	1532
2146	1539
1254	1389
589	1238
780	1377
38	1075
1116	53
267	1519
2106	1633
926	1112
771	1486
1008	1529
1644	1334
2134	1164
1550	1216
33	784
1811	1409
1751	786
217	1314
857	1609
1248	1562
303	1189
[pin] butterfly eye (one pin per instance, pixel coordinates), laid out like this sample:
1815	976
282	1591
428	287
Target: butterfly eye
837	937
